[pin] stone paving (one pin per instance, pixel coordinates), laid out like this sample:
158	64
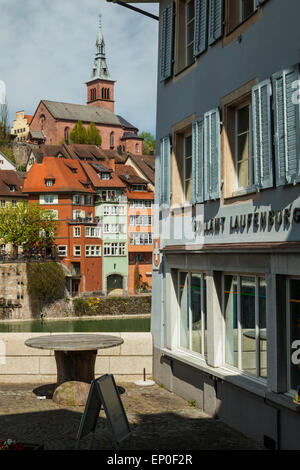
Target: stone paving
159	419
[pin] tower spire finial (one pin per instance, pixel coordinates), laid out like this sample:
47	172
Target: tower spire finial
100	25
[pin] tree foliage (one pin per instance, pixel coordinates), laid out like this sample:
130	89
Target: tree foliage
27	225
46	283
149	143
81	135
93	135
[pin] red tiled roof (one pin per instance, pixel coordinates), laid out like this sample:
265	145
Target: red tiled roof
140	195
92	174
65	179
28	117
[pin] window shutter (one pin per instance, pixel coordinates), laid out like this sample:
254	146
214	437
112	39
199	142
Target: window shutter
200	34
212	155
166	42
215	21
165	149
286	123
197	155
262	134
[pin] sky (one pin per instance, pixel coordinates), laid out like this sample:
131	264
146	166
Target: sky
47	50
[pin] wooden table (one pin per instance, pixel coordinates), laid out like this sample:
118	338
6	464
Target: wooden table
75	356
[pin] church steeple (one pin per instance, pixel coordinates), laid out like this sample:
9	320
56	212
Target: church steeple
100	69
100	87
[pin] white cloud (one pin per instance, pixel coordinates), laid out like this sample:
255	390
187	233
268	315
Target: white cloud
47	50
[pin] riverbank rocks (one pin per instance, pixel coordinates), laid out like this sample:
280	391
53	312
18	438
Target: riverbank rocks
71	393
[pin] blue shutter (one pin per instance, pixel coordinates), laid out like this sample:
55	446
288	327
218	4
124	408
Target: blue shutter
215	21
262	134
166	42
165	150
200	34
197	156
212	155
286	124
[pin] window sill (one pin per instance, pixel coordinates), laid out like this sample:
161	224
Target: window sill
240	28
244	192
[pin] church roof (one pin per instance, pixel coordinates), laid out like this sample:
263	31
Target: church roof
81	112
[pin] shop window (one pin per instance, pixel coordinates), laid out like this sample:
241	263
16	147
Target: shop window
192	312
245	324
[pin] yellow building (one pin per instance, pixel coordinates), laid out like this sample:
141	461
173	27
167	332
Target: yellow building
20	127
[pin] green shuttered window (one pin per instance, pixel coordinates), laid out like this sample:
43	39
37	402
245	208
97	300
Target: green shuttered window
262	135
215	21
286	127
212	153
200	34
165	150
166	42
197	156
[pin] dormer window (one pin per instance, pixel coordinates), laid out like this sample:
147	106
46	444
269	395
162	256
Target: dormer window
12	188
105	176
138	187
50	182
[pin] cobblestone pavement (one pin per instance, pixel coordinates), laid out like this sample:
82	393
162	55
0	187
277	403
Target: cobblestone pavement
160	420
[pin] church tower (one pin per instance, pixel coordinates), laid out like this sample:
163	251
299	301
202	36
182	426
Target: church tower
100	87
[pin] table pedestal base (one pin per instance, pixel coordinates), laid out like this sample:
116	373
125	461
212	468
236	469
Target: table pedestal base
75	372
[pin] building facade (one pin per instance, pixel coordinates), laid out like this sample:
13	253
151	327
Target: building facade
226	265
20	128
61	187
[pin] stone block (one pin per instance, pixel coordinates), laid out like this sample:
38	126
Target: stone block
47	365
14	344
20	365
136	344
102	366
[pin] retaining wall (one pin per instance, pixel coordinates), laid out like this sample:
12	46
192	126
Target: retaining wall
22	364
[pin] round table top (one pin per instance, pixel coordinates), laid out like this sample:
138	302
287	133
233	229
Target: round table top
77	342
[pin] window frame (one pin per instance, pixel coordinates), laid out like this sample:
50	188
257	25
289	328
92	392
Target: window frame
257	277
202	355
65	251
76	232
250	150
78	249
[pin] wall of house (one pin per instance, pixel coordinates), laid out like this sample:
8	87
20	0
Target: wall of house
14	299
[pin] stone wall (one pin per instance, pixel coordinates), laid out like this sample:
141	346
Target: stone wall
21	153
14	300
21	364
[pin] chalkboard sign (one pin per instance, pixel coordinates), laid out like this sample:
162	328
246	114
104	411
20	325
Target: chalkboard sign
104	392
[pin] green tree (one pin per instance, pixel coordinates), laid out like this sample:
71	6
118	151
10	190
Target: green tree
5	142
93	135
149	142
79	134
27	226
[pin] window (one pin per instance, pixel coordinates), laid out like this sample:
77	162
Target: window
148	203
245	323
77	250
50	182
77	232
293	332
62	250
89	200
139	220
48	199
140	238
122	210
14	203
105	176
3	202
138	187
137	148
114	249
192	312
188	168
66	135
238	11
148	220
190	25
92	250
111	140
52	212
138	203
244	159
12	188
76	199
92	232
